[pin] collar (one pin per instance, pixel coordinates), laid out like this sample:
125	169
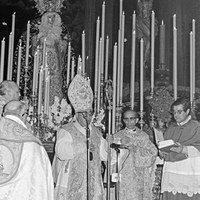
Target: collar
16	119
130	130
185	121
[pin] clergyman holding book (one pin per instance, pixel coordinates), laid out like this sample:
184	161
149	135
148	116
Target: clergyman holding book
181	171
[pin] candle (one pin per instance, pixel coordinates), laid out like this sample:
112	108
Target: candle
152	49
41	74
118	67
175	62
83	52
9	72
27	43
19	62
2	59
114	87
174	21
103	38
122	60
44	52
34	72
72	70
134	21
96	57
79	68
68	62
162	43
191	67
107	55
141	74
120	13
46	97
193	54
99	76
13	41
37	68
132	85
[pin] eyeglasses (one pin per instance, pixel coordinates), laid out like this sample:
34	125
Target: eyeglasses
177	112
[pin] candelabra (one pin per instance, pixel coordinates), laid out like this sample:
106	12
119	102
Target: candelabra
141	121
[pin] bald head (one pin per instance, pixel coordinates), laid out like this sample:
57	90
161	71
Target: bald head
14	107
130	118
10	90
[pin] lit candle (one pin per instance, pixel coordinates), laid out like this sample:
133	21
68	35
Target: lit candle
72	70
107	55
9	72
96	57
193	54
27	43
83	52
152	49
114	87
162	43
174	21
19	62
46	97
141	74
134	21
175	62
132	85
12	41
68	62
191	67
122	60
2	59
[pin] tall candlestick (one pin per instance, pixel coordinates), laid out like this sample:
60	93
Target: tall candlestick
96	57
27	43
44	52
2	59
118	67
191	66
141	74
37	69
83	52
114	87
106	62
175	62
132	84
34	72
9	72
134	21
152	49
19	62
68	62
79	67
162	43
46	96
193	54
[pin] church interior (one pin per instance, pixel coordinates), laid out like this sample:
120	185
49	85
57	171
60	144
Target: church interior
141	54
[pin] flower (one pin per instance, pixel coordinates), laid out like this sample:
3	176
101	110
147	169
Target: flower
161	104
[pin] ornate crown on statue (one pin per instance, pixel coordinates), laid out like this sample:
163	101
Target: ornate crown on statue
49	5
80	93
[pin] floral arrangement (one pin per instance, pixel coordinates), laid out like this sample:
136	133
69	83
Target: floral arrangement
46	126
161	103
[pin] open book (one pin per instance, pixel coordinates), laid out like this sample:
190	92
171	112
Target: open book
166	145
163	145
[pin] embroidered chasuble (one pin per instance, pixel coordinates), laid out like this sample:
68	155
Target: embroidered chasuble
136	166
25	169
70	172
